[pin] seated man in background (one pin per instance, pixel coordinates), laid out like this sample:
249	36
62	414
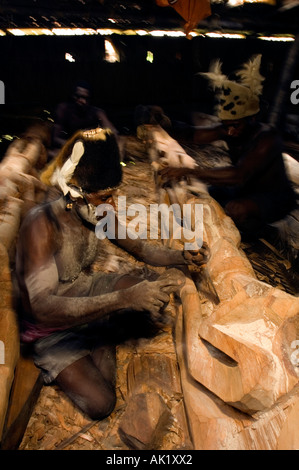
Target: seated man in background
72	317
76	114
255	190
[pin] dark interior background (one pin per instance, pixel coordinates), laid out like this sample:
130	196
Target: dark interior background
37	76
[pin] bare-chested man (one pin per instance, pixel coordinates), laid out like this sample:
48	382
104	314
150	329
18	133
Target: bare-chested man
72	317
76	114
254	190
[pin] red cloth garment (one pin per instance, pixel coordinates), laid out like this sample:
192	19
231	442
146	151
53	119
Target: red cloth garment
31	331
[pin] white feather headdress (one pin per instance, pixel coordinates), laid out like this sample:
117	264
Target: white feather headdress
62	175
237	99
250	75
215	74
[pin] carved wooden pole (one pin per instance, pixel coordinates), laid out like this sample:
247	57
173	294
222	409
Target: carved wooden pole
17	188
237	358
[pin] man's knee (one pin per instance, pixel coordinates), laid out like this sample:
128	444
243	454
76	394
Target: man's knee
101	407
87	388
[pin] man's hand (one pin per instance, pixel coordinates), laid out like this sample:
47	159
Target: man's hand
153	296
198	257
173	173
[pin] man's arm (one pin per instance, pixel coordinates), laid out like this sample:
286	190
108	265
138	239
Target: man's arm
261	153
38	274
156	255
252	162
206	134
225	176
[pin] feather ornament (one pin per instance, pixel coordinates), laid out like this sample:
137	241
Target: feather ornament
250	75
215	74
63	175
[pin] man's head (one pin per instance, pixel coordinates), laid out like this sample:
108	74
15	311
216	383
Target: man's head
88	171
87	207
237	100
89	162
236	128
81	94
99	167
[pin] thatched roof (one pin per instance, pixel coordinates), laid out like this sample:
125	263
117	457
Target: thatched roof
257	16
